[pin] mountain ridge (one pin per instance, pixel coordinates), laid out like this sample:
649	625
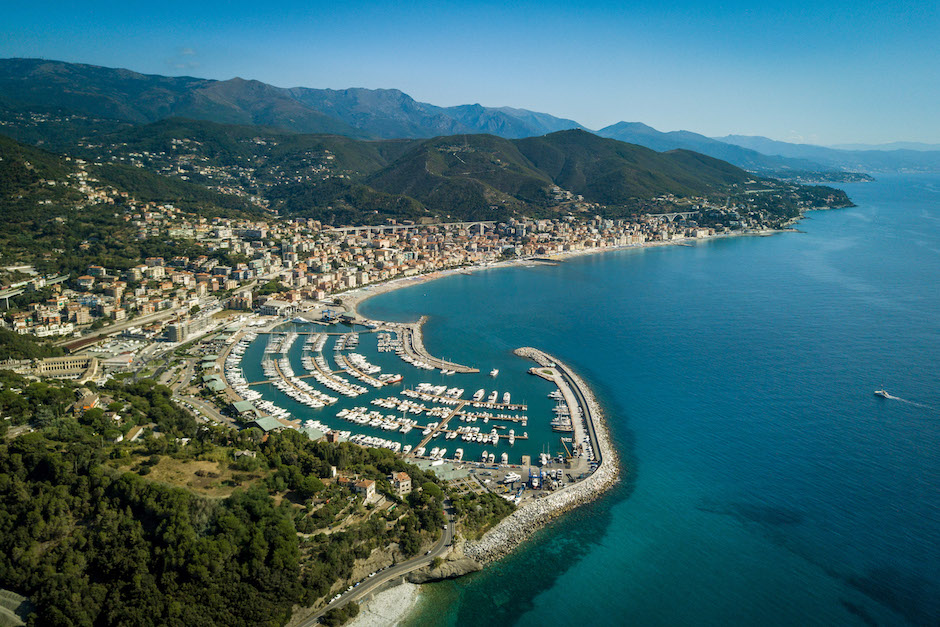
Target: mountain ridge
120	96
131	96
865	160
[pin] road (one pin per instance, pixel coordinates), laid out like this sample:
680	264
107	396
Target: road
207	410
582	401
372	583
120	326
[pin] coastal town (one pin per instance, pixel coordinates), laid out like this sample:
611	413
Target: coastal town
250	323
278	266
385	314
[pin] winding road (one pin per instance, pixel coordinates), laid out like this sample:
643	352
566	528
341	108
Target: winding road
370	584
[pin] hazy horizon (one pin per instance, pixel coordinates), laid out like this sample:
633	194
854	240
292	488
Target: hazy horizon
825	73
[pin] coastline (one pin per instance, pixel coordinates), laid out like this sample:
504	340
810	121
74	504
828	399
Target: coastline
522	523
352	299
397	603
388	607
516	528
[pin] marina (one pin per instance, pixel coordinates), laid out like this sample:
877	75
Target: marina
378	393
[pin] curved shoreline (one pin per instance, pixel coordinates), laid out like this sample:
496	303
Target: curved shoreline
518	527
352	299
522	523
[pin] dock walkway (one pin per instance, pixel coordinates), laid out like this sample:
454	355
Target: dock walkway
441	427
359	374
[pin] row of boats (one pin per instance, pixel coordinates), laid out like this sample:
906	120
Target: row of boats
271	409
439	453
388	342
418	363
347	341
408	403
357	366
279	342
317	367
377	420
376	442
298	389
486	417
315	342
233	372
473	434
401	404
426	392
491	399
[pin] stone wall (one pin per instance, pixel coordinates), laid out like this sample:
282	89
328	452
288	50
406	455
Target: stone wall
515	528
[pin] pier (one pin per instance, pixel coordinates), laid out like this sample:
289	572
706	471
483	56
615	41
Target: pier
426	396
513	530
580	410
440	427
414	347
342	359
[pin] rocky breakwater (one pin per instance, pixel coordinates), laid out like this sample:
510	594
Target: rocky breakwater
414	344
514	529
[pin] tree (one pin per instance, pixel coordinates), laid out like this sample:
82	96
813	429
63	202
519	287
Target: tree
308	486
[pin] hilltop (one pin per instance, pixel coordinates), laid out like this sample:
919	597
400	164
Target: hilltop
341	180
56	104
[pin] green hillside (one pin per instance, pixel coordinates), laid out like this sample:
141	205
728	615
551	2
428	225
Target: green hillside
51	217
210	168
465	175
612	172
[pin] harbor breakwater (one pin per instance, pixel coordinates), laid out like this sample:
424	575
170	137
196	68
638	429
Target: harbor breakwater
518	526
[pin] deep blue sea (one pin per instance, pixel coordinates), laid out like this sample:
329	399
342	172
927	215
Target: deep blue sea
764	483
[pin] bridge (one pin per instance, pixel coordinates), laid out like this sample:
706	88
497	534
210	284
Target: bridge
6	295
395	228
18	288
672	216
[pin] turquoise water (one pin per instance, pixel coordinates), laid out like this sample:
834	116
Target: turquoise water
765	483
513	377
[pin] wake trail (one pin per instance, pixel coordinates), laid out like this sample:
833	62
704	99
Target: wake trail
904	400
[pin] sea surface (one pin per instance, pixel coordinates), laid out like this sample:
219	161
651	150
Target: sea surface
764	484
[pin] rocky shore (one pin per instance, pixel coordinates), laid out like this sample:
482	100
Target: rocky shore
517	527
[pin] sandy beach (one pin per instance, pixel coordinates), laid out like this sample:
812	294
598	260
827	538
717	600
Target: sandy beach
389	607
355	297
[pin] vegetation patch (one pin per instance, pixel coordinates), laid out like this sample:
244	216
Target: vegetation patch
206	478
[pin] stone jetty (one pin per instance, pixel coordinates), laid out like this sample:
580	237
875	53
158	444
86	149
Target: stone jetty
515	528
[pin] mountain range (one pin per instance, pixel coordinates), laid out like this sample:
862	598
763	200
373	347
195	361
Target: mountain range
473	176
36	84
116	97
850	160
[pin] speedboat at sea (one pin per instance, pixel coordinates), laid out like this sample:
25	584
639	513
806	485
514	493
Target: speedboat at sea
882	394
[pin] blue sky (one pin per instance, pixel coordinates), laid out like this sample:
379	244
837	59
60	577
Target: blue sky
821	72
